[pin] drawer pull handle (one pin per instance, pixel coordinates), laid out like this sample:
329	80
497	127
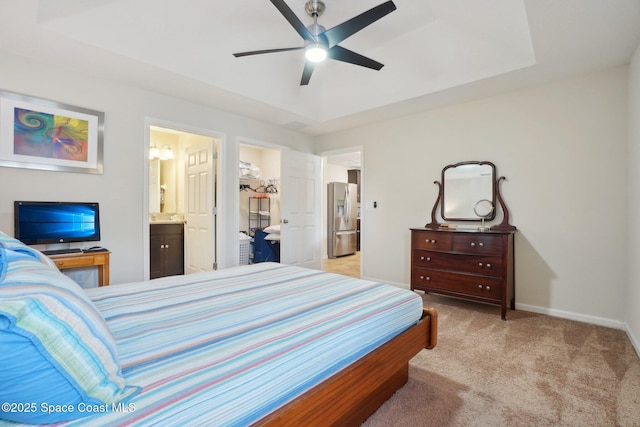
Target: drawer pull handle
479	286
480	264
480	244
427	278
473	244
488	288
488	265
430	240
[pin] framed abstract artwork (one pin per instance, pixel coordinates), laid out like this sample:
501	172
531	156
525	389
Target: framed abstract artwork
42	134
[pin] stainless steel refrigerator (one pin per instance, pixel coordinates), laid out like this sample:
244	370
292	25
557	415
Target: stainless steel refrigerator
342	209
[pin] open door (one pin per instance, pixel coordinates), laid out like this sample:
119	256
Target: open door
200	171
301	231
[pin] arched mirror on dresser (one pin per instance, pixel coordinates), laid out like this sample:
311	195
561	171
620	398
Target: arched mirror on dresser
470	262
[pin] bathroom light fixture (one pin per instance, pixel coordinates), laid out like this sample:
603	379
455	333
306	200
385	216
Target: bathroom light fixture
161	153
167	154
154	152
315	52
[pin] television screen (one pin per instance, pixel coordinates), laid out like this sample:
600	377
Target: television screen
56	222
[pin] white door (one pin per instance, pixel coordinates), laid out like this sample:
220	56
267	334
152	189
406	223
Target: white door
200	203
301	231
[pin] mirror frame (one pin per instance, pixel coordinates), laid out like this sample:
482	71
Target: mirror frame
504	226
491	189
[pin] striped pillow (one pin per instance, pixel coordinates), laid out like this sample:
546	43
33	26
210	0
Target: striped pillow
58	355
16	245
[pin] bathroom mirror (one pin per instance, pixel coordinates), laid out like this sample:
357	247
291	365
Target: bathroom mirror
464	184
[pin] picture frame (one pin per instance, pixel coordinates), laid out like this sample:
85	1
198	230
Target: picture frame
42	134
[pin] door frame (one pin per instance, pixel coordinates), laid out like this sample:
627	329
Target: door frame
324	155
282	149
222	148
235	221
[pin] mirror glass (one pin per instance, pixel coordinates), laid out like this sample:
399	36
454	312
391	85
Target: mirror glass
163	170
463	186
483	208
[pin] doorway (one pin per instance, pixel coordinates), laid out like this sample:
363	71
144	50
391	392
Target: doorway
343	166
297	209
183	176
259	204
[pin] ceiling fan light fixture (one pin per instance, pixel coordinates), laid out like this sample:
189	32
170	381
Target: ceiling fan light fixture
320	43
315	52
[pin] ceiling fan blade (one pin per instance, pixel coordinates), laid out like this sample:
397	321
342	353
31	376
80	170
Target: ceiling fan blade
293	19
306	73
345	55
348	28
258	52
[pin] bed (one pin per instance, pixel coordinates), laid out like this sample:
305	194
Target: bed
264	344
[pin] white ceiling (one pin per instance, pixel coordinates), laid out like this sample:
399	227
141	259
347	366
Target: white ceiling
351	160
435	51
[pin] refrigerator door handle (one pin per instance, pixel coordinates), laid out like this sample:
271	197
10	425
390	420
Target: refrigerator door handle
347	204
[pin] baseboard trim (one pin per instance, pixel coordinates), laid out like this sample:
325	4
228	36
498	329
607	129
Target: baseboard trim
634	342
595	320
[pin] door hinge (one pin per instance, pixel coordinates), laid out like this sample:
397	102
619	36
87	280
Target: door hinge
215	211
215	155
215	265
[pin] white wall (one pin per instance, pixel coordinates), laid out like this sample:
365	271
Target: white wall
562	147
335	173
633	292
120	190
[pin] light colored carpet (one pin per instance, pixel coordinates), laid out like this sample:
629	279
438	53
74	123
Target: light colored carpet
532	370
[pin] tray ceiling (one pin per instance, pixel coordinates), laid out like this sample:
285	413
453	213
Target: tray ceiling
435	51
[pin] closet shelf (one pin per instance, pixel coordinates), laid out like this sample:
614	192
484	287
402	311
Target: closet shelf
259	212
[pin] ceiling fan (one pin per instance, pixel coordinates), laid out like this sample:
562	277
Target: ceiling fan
320	43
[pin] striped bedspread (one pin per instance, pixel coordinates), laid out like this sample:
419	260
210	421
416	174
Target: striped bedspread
229	347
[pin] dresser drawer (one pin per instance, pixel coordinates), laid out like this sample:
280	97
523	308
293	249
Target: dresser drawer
434	280
475	264
75	260
475	243
431	240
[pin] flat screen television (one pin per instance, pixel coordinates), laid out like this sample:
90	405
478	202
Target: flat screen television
56	222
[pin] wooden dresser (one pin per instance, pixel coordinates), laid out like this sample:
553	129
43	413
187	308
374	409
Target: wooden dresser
469	264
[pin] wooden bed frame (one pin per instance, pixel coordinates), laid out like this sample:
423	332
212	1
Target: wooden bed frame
349	397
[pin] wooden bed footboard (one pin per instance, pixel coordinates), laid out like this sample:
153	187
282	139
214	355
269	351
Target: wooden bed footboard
349	397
